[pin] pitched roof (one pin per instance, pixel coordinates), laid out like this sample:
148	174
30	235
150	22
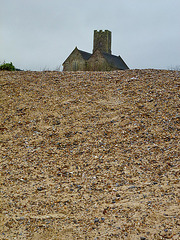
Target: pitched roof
85	55
116	61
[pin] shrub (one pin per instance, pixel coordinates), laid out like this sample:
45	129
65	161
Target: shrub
7	66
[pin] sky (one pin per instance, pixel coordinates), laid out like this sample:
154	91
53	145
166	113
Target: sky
39	35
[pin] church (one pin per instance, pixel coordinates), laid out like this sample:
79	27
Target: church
100	60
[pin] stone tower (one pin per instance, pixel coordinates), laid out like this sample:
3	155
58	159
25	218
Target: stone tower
102	41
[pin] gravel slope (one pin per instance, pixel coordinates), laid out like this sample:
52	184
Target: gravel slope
90	155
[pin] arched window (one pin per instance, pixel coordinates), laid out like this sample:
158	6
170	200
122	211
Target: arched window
75	65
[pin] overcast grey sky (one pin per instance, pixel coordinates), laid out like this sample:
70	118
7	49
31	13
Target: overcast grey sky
40	34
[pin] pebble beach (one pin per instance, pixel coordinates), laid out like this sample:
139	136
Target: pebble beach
90	155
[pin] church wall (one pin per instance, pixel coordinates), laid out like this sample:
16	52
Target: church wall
98	63
75	62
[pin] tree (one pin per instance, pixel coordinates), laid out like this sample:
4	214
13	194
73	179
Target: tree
7	67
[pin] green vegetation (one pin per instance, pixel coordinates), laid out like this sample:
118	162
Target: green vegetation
7	66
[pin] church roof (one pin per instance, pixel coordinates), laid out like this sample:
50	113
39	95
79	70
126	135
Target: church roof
113	60
116	61
85	55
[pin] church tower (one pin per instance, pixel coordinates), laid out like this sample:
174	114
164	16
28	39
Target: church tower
102	41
